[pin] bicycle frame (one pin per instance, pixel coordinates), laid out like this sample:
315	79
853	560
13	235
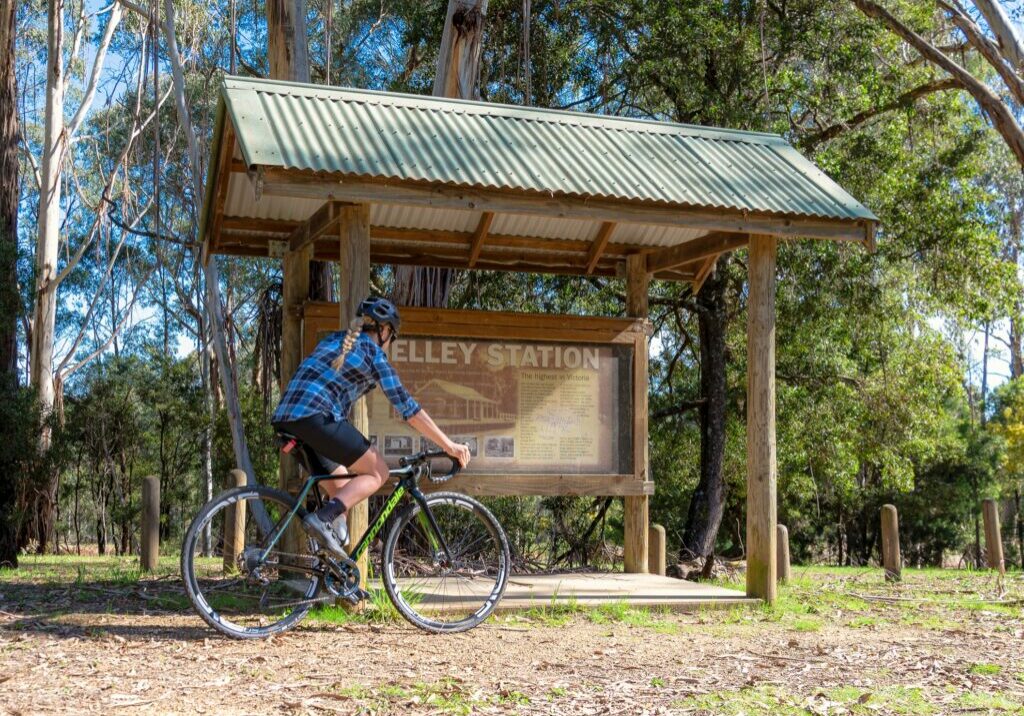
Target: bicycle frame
407	484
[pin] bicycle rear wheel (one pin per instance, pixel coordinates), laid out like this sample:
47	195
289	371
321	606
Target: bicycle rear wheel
231	587
433	593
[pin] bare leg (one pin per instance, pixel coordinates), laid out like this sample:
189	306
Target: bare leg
371	473
333	487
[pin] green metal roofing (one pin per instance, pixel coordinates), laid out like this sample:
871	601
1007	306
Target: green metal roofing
399	137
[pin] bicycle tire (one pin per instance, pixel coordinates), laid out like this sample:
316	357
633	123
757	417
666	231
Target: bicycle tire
397	590
200	596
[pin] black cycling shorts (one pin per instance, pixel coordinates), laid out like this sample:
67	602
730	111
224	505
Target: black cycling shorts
337	441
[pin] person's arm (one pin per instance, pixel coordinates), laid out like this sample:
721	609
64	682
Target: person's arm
426	427
411	411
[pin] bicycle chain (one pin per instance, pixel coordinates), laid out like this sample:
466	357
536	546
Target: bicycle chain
317	563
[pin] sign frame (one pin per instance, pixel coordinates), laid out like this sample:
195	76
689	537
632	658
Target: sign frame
499	325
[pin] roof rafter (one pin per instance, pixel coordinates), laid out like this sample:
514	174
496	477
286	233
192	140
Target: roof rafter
712	244
479	236
600	242
323	220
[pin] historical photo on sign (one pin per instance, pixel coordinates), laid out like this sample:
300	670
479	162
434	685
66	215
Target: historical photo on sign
469	441
520	406
503	446
397	445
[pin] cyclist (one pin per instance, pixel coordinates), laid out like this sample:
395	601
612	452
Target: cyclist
342	368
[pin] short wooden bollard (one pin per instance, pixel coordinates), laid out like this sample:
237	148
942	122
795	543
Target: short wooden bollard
993	538
656	550
234	524
150	541
782	553
891	560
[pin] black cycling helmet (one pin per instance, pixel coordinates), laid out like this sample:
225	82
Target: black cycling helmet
380	311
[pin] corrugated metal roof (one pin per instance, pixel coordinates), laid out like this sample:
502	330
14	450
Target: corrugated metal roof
474	144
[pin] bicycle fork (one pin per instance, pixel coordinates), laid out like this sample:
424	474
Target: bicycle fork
429	526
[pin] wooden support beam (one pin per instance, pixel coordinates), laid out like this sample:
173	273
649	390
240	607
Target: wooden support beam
354	279
636	515
233	536
761	467
227	147
479	236
247	223
598	246
704	272
295	291
701	248
537	243
320	223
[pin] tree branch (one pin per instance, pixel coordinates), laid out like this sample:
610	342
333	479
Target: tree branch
680	408
1000	115
907	99
1007	38
97	69
988	49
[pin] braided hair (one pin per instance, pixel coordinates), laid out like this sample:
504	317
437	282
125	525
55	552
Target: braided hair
349	341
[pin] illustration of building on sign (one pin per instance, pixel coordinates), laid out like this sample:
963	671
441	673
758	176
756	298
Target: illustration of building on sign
453	404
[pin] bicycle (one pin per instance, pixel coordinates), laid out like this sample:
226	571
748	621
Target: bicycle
444	562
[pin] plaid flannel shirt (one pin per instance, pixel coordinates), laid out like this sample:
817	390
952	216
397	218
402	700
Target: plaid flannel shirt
318	389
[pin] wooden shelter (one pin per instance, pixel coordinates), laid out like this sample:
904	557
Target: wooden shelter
304	171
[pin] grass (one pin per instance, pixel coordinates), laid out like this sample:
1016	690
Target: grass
446	696
986	669
844	699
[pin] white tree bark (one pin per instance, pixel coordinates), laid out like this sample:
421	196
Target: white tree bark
56	140
214	307
48	239
458	59
1007	37
287	44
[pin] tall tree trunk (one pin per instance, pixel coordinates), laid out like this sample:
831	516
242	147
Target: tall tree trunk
9	193
288	53
44	312
54	146
214	308
10	521
211	418
458	76
708	502
1017	317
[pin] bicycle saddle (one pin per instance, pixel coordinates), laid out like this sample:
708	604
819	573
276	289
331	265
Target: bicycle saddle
311	462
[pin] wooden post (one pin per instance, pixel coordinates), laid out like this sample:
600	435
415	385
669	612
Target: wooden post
891	560
150	541
761	474
993	537
354	278
656	554
295	291
635	507
782	560
233	538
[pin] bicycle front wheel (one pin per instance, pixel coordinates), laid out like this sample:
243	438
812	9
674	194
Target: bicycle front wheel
441	591
232	585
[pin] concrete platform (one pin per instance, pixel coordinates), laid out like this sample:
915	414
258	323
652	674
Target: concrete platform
594	588
590	589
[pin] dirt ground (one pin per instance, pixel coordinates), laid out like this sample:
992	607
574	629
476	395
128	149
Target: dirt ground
89	636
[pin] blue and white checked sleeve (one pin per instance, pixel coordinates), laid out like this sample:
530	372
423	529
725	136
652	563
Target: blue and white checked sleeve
387	378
